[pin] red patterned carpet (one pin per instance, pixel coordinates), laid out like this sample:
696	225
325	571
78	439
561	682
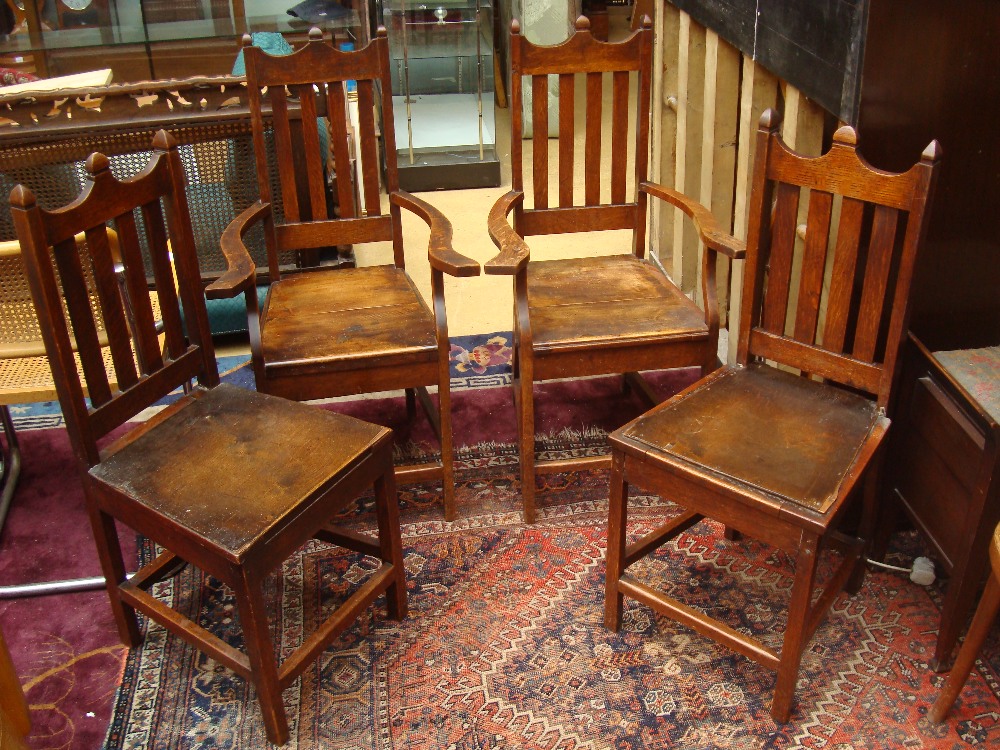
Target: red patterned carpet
503	646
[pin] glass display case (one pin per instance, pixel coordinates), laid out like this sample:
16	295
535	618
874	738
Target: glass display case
442	85
156	39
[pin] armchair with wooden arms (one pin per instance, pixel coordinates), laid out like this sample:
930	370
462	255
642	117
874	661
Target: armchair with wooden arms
607	314
332	332
223	478
778	445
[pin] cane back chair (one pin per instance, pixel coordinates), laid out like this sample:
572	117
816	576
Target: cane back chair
599	315
333	332
776	445
226	479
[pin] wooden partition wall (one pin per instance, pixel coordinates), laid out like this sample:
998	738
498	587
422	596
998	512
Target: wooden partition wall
707	100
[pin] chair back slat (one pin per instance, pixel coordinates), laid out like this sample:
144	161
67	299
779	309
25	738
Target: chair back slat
619	139
845	260
567	138
79	305
617	134
138	307
881	243
782	250
813	265
60	273
857	276
592	140
115	310
369	148
540	139
317	74
163	274
336	105
312	164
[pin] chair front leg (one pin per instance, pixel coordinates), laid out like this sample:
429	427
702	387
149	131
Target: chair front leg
798	617
617	519
387	512
260	652
113	566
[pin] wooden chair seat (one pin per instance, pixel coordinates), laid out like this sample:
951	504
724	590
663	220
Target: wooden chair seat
707	429
165	470
618	300
387	323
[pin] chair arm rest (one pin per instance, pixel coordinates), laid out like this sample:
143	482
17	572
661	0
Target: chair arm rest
442	256
241	271
514	252
708	228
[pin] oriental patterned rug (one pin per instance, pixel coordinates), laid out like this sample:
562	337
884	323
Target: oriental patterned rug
504	645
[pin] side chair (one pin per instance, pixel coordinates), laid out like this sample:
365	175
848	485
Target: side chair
225	479
778	445
607	314
329	332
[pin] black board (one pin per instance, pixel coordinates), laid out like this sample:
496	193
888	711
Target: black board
815	45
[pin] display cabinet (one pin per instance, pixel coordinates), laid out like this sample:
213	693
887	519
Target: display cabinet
442	85
144	40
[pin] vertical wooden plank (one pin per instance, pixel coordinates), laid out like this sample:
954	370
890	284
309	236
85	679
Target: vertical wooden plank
592	157
708	138
141	323
540	140
813	266
656	124
680	165
690	103
873	293
567	137
337	116
665	119
726	121
619	133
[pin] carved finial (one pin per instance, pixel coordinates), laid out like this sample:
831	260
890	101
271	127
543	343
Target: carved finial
381	33
846	136
515	27
162	140
22	197
933	152
770	120
247	40
583	24
98	163
315	34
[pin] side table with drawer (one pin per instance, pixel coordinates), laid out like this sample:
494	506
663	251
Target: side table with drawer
942	470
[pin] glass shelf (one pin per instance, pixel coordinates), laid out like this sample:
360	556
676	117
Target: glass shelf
118	33
442	85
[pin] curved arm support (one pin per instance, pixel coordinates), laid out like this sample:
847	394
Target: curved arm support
708	228
241	271
442	256
514	252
